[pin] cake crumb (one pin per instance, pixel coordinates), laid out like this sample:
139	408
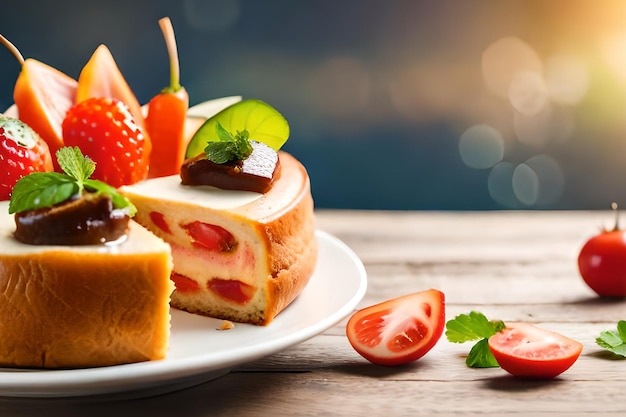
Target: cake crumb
226	325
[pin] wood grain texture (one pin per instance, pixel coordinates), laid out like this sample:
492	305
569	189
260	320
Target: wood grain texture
509	265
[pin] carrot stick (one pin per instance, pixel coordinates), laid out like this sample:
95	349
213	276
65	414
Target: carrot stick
167	113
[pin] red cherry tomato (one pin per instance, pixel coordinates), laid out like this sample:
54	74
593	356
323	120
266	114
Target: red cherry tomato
528	351
400	330
602	262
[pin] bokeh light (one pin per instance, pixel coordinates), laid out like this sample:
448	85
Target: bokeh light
550	179
500	185
550	126
566	79
481	146
525	184
528	93
537	182
504	60
541	95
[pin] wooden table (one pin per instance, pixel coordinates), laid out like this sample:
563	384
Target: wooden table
508	265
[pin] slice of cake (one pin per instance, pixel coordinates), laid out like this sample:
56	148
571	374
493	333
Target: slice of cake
238	255
83	306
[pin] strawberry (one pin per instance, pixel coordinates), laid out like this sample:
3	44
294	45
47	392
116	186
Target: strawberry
22	151
104	129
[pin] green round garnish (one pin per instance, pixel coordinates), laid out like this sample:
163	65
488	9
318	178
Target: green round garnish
262	122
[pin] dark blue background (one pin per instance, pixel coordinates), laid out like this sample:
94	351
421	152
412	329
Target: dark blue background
261	49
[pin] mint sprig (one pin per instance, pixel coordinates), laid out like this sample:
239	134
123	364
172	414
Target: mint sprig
614	340
475	327
229	147
45	189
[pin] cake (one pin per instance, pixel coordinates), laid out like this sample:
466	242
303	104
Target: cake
238	255
83	306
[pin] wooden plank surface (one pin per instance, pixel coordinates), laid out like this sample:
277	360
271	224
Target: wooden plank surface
509	265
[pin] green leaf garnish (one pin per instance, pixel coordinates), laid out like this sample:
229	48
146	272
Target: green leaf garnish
262	122
230	147
45	189
74	164
614	340
471	327
480	356
41	189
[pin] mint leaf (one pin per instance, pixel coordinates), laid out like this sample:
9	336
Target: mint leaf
45	189
614	340
119	201
223	134
221	152
41	189
229	147
74	164
475	326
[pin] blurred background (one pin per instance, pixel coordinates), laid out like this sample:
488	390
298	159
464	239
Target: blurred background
421	105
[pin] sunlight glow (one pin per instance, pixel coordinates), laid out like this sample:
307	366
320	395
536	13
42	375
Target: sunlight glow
566	79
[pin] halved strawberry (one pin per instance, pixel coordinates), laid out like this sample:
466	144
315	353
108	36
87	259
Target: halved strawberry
22	152
104	129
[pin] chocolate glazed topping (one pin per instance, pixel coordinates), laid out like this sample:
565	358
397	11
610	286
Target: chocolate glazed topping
88	220
255	173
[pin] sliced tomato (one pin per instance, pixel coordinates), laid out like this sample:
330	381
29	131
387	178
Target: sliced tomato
529	351
400	330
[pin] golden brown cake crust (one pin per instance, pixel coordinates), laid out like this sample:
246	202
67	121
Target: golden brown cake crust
71	309
293	254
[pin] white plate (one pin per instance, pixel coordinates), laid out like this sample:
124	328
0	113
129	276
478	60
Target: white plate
199	352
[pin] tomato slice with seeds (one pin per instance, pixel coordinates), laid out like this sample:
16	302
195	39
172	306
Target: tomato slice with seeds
400	330
529	351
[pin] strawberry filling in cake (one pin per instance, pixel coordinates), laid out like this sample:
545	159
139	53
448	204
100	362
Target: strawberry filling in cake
238	255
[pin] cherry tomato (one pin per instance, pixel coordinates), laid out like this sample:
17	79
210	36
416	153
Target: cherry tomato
602	262
400	330
528	351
